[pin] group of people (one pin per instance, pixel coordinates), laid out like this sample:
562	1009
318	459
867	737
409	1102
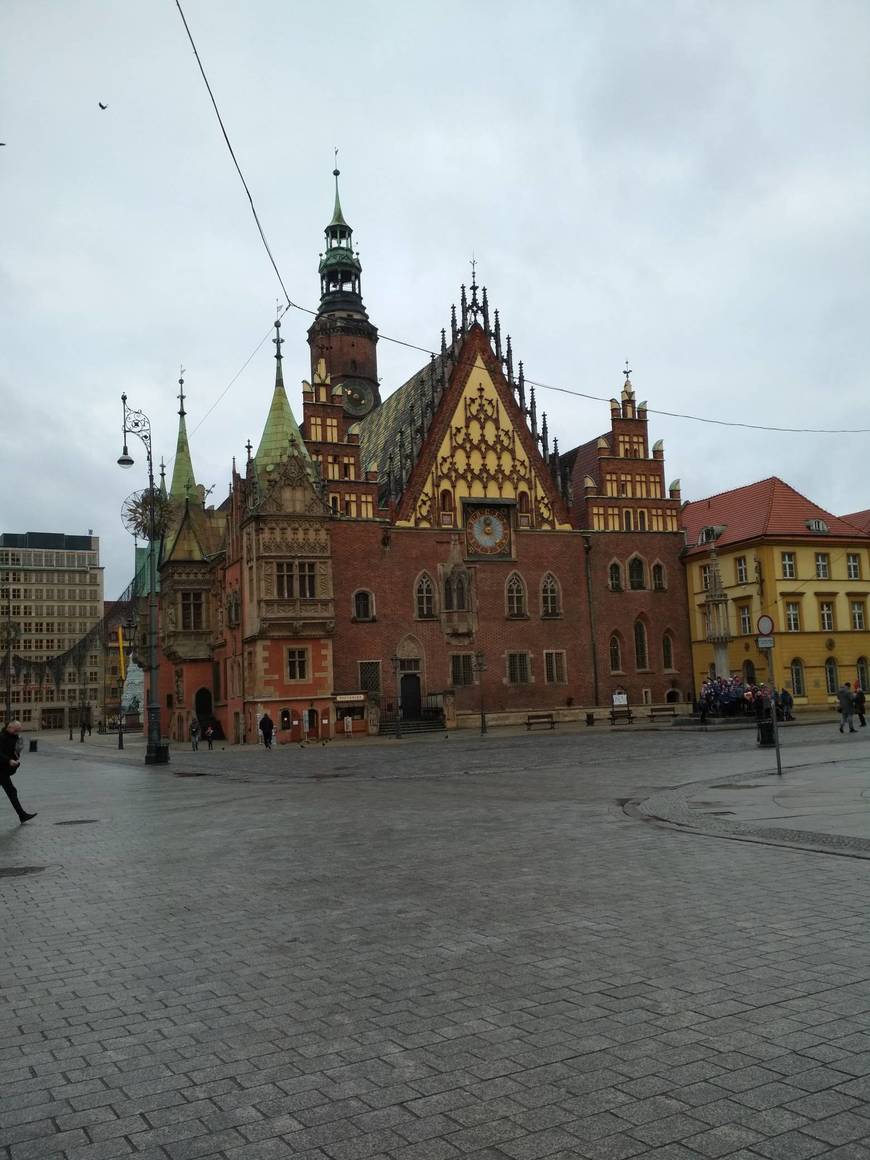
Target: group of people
196	733
731	696
851	703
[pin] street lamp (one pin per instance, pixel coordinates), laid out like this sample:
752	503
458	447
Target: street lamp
396	662
137	423
480	669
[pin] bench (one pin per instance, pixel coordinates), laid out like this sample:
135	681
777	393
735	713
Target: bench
618	716
662	711
541	719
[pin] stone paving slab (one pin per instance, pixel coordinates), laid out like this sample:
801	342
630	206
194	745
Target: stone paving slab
444	949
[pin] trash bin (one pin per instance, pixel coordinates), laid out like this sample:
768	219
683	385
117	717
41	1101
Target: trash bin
590	718
765	734
32	747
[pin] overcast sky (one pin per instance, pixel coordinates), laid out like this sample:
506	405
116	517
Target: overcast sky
684	185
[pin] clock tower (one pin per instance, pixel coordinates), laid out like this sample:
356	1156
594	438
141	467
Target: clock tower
342	334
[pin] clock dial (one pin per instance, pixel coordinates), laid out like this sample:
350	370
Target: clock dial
488	532
358	398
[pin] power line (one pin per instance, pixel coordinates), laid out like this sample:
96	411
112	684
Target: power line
425	350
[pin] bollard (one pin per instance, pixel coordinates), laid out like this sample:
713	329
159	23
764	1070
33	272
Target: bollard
32	747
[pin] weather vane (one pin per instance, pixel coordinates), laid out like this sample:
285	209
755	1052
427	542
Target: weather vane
627	370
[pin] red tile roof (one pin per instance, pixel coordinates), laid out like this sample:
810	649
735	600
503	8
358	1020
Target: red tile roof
767	508
859	519
582	461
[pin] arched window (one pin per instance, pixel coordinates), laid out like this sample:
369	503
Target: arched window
516	596
455	594
550	596
641	520
362	605
615	655
626	520
798	684
668	651
749	673
425	598
446	501
658	577
636	577
863	671
640	649
615	577
832	681
524	509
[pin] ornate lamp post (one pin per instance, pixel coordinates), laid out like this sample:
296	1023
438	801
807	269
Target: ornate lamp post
137	423
396	663
480	669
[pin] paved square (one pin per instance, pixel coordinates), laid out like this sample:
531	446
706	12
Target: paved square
447	948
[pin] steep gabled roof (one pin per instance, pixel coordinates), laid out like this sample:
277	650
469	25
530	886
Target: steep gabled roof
768	508
404	409
861	520
582	461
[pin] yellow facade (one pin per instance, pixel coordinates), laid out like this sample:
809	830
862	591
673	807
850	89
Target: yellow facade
482	457
818	595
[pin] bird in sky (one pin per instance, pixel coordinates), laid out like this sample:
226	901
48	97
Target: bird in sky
102	106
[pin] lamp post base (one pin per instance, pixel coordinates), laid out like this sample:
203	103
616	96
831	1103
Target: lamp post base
157	754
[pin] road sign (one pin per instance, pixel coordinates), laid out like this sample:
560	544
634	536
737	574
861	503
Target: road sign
765	627
764	642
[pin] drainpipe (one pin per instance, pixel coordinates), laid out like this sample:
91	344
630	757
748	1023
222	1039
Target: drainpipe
587	554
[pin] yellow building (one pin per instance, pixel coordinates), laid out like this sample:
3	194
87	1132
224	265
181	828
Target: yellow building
765	548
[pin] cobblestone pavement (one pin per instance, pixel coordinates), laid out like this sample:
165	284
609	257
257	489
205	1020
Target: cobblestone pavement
449	948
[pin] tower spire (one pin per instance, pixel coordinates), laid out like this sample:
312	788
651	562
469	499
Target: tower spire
183	485
281	437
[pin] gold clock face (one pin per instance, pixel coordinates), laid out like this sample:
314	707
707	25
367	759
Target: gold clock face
488	532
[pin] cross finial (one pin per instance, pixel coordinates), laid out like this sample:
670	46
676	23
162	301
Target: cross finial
336	170
473	269
181	410
278	340
249	447
627	370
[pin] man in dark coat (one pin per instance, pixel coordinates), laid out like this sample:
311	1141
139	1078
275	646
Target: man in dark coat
10	748
267	728
860	703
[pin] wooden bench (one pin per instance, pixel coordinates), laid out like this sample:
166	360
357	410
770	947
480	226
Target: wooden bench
541	719
621	716
662	711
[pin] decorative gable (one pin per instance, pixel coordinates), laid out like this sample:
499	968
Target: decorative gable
482	452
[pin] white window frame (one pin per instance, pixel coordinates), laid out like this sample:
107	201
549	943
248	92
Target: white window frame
554	661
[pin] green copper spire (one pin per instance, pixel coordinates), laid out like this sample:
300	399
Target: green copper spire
183	484
337	215
281	437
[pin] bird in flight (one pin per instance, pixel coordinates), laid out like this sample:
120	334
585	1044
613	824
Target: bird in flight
102	106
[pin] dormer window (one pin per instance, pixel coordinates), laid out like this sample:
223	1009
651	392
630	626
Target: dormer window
817	526
708	534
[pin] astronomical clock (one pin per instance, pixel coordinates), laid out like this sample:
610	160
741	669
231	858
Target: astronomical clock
488	531
359	397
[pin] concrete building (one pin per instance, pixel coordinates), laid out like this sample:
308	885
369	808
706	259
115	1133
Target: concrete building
51	612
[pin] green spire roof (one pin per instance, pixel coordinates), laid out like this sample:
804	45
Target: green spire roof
337	215
281	435
183	484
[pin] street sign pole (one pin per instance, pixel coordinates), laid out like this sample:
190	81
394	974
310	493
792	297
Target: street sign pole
773	711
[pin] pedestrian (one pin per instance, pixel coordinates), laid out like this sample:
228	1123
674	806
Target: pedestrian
11	745
846	703
209	736
267	728
194	735
860	701
787	702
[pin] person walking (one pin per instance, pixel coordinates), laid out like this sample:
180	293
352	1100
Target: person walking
10	759
860	702
194	735
846	702
209	736
787	702
267	728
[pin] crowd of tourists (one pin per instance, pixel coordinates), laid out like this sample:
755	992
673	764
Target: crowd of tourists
731	696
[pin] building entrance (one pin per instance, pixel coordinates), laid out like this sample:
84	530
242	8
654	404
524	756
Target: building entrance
411	698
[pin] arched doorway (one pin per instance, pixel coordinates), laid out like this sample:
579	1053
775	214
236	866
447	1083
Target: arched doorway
312	720
749	677
672	696
202	705
411	697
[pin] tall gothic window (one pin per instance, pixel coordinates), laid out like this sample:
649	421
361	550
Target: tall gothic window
362	605
636	579
615	574
425	598
640	649
455	594
668	651
550	596
615	655
516	596
658	577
